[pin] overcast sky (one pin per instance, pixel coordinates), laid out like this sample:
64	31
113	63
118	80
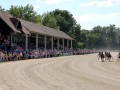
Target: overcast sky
88	13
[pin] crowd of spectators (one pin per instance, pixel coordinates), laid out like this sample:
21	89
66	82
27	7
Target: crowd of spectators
15	51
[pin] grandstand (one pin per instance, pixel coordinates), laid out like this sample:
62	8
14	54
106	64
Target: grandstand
31	35
21	39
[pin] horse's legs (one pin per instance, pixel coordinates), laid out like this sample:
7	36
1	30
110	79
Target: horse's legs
105	58
118	59
111	58
98	57
102	59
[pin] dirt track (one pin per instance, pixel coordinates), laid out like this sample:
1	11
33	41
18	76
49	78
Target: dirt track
83	72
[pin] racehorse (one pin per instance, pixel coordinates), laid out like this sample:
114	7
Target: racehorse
106	53
101	55
118	58
108	56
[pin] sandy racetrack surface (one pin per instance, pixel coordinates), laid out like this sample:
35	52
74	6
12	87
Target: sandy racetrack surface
81	72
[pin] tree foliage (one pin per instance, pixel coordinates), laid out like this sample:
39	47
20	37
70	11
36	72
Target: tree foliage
49	20
107	37
27	13
62	18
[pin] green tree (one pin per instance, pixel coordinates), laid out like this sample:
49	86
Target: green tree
27	13
106	37
49	20
84	37
75	32
62	18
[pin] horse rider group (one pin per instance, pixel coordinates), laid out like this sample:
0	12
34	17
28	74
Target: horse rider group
107	56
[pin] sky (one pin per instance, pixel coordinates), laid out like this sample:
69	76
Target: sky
88	13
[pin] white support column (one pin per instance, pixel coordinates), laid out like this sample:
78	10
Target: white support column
58	44
52	43
63	44
71	44
36	41
26	41
45	42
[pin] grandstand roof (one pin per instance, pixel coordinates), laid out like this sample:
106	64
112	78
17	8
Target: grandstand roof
12	22
37	28
6	18
30	27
